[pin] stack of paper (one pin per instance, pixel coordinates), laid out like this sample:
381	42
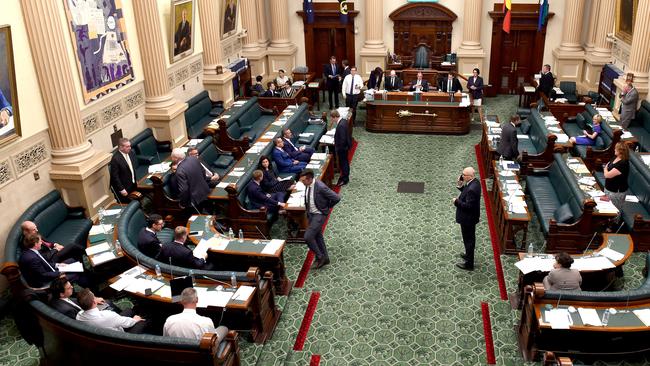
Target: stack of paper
279	122
562	138
98	248
243	293
306	134
194	142
315	165
590	317
269	135
100	229
631	198
214	298
71	267
627	135
318	156
558	318
103	257
272	246
611	254
605	206
159	168
537	263
596	263
643	315
112	212
326	139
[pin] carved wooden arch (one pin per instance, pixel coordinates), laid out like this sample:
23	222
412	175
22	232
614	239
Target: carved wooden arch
428	23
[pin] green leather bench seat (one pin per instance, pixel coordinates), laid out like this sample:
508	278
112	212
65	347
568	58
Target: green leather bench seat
299	123
132	221
640	126
249	121
550	189
149	151
199	113
536	142
639	185
603	141
217	162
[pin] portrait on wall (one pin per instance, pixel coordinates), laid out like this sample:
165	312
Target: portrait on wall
625	18
99	39
182	15
9	116
229	17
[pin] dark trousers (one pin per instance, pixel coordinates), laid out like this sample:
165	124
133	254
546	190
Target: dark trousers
69	251
304	156
314	235
469	240
344	165
334	91
351	100
139	327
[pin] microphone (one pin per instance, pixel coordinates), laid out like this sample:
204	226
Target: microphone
195	209
620	227
171	270
557	306
215	280
261	233
588	245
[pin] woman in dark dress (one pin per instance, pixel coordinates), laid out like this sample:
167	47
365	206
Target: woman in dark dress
270	182
616	172
374	82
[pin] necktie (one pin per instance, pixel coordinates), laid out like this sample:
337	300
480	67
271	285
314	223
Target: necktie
352	85
449	86
392	81
46	262
307	198
128	162
333	69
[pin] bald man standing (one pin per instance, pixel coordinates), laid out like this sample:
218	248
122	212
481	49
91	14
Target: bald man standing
468	208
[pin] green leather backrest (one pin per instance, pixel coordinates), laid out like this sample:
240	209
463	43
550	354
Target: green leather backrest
639	179
51	217
538	130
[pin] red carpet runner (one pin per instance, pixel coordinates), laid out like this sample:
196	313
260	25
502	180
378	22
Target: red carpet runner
487	332
306	321
315	360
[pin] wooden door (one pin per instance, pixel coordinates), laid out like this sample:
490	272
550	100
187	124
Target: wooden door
517	62
506	64
330	41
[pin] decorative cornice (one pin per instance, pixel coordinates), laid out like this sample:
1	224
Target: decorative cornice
29	158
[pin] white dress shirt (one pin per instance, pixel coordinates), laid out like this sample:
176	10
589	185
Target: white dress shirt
129	163
309	197
106	319
188	324
347	84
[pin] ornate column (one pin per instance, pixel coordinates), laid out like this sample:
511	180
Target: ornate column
373	52
569	56
251	47
262	29
78	170
218	85
639	61
281	52
470	53
600	52
593	24
163	113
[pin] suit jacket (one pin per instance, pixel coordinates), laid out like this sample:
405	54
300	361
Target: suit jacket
148	243
121	174
333	83
258	197
546	83
468	204
345	72
290	149
342	138
324	198
258	88
478	92
628	107
424	83
509	144
285	163
455	85
397	85
35	271
269	180
183	37
563	279
180	255
65	307
374	82
192	186
271	93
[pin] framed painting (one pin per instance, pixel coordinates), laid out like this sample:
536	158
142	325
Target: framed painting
99	39
229	23
9	114
625	18
182	38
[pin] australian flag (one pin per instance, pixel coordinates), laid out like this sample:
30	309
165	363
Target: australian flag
308	8
343	10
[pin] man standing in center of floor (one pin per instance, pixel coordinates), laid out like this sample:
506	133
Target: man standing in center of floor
342	145
468	208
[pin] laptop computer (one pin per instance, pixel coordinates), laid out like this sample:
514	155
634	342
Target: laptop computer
178	285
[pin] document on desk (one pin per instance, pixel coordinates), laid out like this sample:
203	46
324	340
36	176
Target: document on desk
313	166
165	291
492	124
103	257
631	198
100	229
194	142
223	185
218	243
218	298
236	174
525	137
590	317
112	212
122	283
327	139
243	293
272	246
562	138
279	123
558	318
588	181
140	285
518	208
531	264
269	134
98	248
611	254
643	315
318	156
592	263
506	173
69	268
158	168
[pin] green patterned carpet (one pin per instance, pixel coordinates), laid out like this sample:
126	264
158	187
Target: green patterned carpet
392	295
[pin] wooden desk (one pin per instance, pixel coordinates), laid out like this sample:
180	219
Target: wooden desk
430	75
277	104
240	256
489	142
417	117
102	261
580	171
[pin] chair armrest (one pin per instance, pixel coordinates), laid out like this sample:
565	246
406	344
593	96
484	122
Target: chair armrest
144	159
76	214
265	110
165	146
571	120
217	104
223	152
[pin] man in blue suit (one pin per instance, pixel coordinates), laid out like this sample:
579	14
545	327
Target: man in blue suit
302	153
333	80
284	162
176	253
468	210
342	145
38	271
259	198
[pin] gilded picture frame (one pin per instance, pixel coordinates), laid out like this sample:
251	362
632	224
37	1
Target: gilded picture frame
625	18
9	112
182	29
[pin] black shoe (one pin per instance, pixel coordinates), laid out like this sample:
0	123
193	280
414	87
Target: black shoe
463	256
465	266
318	263
326	261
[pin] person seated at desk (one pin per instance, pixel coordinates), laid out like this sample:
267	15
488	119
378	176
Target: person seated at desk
53	252
392	82
451	84
283	161
270	181
177	254
374	82
148	242
126	321
188	324
589	137
282	79
259	198
302	153
38	271
258	87
270	91
420	84
562	277
61	291
286	91
211	177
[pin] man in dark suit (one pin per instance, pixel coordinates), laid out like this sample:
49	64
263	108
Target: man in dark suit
183	35
258	198
450	84
342	145
190	176
62	290
302	153
629	100
509	144
123	164
258	87
178	254
271	91
283	161
53	252
468	205
392	82
39	271
546	82
319	200
420	84
211	177
148	241
346	69
333	81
